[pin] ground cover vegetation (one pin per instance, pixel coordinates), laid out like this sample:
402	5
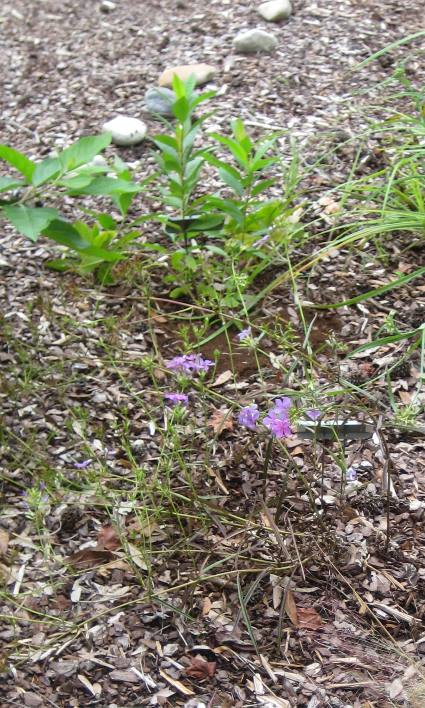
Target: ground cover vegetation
219	484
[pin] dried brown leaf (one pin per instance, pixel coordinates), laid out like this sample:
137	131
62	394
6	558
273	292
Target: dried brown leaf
107	539
200	669
309	618
223	378
220	420
206	606
89	558
4	542
291	608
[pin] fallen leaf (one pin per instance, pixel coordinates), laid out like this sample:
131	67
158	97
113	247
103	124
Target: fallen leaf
89	558
177	684
309	618
136	557
107	539
87	684
200	669
291	608
4	542
220	420
206	606
222	379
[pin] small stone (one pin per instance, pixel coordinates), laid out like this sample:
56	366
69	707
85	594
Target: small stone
158	100
107	6
32	699
202	73
125	130
254	40
124	676
275	10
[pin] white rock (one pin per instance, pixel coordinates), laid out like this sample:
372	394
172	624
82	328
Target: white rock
275	10
254	40
125	130
107	6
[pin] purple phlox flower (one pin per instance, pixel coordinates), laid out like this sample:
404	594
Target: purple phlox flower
244	334
280	427
177	398
313	413
277	421
248	416
261	241
82	465
189	363
282	404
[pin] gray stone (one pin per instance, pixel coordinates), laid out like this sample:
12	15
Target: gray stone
275	10
125	130
254	40
159	100
32	699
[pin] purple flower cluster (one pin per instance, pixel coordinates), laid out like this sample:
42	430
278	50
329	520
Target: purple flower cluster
189	364
176	399
249	416
244	334
278	419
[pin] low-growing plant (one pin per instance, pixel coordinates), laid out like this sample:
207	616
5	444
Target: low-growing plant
209	235
77	171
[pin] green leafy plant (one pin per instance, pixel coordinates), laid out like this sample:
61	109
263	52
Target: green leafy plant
78	172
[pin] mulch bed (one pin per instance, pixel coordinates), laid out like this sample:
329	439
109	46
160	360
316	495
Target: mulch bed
335	613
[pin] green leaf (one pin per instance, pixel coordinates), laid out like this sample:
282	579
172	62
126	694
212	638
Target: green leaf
84	150
123	201
229	178
18	160
227	206
46	170
241	135
65	234
168	145
74	184
235	148
181	109
262	186
386	340
29	221
109	185
106	221
7	183
260	165
60	264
